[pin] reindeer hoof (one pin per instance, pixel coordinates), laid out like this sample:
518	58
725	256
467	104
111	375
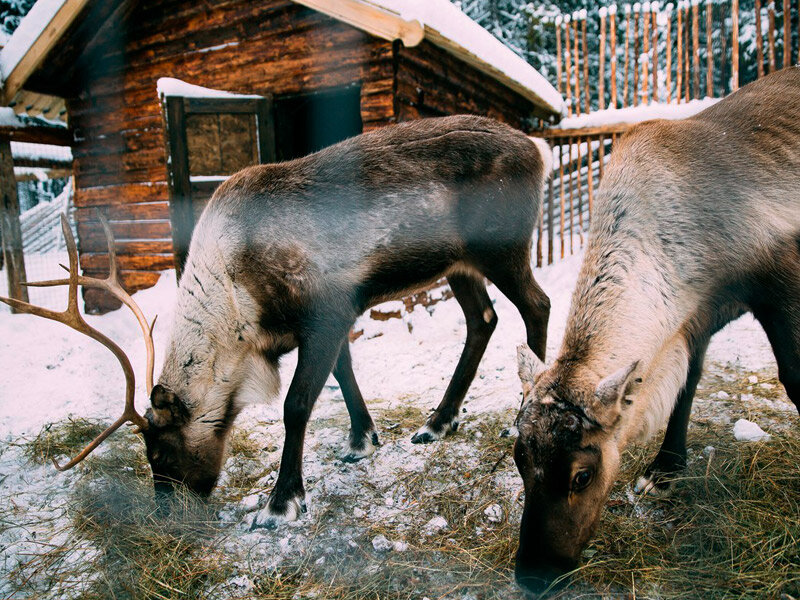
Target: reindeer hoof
655	484
271	517
353	452
427	434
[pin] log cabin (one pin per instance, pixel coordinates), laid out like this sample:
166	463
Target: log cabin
166	98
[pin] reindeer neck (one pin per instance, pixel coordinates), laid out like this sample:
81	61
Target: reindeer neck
209	336
624	310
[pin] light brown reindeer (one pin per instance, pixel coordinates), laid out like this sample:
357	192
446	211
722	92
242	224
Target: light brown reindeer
696	222
288	255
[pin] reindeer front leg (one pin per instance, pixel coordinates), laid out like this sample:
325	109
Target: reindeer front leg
317	353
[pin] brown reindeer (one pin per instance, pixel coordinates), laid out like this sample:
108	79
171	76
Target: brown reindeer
289	255
696	222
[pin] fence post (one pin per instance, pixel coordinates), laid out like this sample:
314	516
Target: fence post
709	50
645	51
627	53
550	210
559	69
696	48
735	44
576	53
601	77
687	69
771	35
612	30
787	34
759	40
568	62
654	8
679	52
668	16
723	50
587	98
10	227
636	42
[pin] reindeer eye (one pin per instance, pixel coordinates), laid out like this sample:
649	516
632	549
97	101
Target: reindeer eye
582	479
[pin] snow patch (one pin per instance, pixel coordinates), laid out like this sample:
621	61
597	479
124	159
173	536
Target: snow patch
169	86
747	431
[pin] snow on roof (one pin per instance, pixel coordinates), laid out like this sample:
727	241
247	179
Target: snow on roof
443	24
41	151
637	114
168	86
30	29
8	118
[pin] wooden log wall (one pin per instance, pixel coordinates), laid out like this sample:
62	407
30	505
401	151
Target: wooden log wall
431	82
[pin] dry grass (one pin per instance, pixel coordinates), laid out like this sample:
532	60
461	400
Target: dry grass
65	438
731	530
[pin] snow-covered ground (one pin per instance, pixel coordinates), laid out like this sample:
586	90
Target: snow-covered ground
49	373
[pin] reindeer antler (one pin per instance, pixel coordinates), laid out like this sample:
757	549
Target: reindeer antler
72	317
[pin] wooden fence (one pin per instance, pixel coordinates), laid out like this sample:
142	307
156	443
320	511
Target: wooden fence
671	41
648	54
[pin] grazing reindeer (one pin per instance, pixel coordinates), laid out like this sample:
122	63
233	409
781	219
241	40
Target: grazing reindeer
289	255
696	222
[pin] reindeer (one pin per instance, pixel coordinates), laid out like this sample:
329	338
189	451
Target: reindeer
696	222
289	255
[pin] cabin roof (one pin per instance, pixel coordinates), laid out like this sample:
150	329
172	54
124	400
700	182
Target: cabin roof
412	21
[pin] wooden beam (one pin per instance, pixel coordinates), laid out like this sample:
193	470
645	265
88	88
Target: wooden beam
588	131
42	163
56	136
9	225
37	51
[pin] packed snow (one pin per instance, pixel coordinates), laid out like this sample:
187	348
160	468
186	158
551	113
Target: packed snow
637	114
747	431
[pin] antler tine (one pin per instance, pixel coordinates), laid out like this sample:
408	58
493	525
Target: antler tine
113	285
72	317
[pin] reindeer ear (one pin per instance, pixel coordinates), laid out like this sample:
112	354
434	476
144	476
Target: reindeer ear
611	390
530	367
167	408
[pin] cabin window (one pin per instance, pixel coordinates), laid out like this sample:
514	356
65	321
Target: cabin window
305	123
221	144
209	138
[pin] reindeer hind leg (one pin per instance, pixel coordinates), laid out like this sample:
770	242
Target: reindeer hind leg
470	292
781	322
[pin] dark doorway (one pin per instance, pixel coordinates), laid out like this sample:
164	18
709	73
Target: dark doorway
305	123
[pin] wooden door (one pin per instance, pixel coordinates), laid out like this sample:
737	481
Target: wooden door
209	139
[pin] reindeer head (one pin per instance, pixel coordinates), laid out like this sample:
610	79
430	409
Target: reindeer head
568	457
178	454
174	453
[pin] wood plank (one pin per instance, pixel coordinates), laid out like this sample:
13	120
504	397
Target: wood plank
122	193
138	262
126	212
125	230
585	132
57	136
